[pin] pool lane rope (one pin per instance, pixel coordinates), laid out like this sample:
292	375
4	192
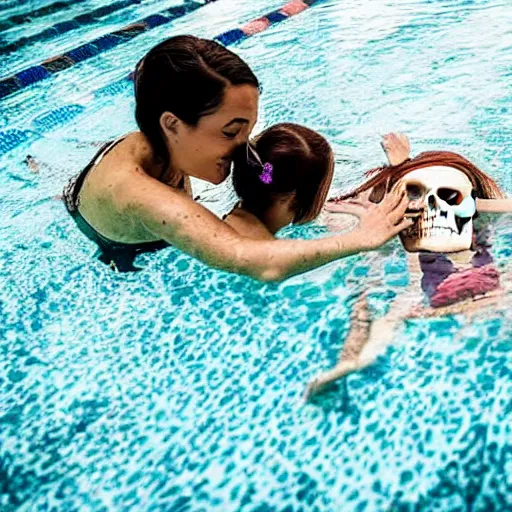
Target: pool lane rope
17	19
63	27
48	121
54	65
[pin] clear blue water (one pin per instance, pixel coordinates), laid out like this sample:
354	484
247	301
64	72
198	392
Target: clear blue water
179	388
37	52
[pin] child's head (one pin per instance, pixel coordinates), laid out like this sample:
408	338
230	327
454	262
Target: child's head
286	162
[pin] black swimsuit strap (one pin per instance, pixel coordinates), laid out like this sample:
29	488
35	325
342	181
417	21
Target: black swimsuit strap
72	191
118	255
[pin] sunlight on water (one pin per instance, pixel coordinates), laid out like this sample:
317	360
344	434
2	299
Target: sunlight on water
179	387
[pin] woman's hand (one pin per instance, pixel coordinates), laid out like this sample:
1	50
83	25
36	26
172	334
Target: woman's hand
397	147
377	222
171	215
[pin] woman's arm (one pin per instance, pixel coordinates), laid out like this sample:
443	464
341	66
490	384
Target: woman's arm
171	215
493	205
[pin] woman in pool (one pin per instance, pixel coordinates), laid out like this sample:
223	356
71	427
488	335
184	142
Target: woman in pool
196	104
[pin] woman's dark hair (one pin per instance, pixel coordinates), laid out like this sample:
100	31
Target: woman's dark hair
187	76
302	164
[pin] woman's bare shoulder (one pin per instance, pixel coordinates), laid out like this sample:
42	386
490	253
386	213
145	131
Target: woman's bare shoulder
123	174
133	150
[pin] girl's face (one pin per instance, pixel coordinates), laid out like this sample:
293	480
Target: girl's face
205	151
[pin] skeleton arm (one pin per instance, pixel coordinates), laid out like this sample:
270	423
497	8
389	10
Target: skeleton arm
397	147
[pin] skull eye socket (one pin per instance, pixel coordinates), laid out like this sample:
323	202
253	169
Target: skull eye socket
414	191
450	196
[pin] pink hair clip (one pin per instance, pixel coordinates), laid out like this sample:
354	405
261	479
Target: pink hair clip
254	160
266	175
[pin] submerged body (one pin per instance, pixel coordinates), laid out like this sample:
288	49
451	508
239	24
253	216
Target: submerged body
447	273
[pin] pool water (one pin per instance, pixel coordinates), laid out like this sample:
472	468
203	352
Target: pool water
180	387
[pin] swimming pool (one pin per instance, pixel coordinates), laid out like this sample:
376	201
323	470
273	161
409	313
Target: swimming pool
179	387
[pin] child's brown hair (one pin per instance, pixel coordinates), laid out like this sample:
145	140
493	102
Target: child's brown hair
302	163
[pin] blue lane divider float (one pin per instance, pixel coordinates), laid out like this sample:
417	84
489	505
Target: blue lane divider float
56	118
34	74
10	139
63	27
18	19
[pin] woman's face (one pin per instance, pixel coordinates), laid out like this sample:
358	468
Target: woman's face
205	151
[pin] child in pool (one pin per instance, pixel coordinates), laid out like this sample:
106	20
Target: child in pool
281	177
441	282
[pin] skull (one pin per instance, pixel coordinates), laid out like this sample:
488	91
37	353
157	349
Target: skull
446	223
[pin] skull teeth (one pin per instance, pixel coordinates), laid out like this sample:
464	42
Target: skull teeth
433	225
429	231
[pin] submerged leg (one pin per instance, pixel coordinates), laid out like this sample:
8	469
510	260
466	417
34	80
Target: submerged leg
365	342
342	369
349	357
